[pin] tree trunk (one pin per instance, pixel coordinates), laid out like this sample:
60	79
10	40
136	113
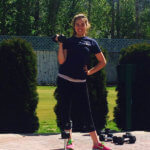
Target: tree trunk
53	7
118	19
36	17
137	18
89	10
71	13
113	20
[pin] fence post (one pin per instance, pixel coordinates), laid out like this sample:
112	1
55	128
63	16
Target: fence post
127	76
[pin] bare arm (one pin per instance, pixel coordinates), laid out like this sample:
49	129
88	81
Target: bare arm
101	63
62	54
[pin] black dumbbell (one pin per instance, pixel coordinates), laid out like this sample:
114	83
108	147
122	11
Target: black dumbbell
105	135
61	38
108	133
118	140
128	137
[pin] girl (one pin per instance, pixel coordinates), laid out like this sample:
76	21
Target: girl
74	57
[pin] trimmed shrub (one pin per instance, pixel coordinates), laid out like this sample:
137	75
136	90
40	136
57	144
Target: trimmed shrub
97	94
18	95
139	55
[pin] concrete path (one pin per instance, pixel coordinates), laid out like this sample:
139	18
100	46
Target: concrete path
82	141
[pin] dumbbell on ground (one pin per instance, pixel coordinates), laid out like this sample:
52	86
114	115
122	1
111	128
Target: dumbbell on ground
118	140
105	135
128	137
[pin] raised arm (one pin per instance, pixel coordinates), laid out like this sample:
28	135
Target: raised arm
62	54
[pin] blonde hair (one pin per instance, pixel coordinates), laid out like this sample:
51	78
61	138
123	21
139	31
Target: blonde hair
80	16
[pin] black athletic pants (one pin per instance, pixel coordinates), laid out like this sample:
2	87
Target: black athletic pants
74	105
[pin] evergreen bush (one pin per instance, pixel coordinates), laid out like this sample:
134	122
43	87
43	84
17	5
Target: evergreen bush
98	94
18	95
98	98
138	55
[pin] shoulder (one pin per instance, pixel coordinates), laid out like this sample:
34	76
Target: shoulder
93	41
94	45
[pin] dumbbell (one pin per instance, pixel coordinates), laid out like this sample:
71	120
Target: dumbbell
118	140
128	137
61	38
105	135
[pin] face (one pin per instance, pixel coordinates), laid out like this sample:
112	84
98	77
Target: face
80	27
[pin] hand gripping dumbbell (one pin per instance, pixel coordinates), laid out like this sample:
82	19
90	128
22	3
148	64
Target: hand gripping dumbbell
105	135
128	137
61	38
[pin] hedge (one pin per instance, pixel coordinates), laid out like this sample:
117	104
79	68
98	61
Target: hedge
139	56
18	95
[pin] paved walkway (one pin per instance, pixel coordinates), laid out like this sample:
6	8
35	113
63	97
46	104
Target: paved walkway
53	142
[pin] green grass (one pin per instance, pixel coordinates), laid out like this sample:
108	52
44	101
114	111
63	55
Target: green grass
111	98
45	109
47	117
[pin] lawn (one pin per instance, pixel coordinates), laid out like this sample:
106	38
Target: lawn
47	117
111	98
45	109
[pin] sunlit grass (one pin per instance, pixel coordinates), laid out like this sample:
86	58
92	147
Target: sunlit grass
111	98
47	102
45	109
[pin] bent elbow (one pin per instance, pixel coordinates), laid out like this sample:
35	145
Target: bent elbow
61	62
104	63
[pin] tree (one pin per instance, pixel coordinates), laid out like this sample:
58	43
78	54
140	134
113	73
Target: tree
126	17
137	80
36	15
137	18
113	20
118	19
100	19
66	13
18	94
144	21
89	10
4	11
98	94
51	11
108	18
23	21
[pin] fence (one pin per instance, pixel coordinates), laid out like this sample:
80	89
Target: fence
46	52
